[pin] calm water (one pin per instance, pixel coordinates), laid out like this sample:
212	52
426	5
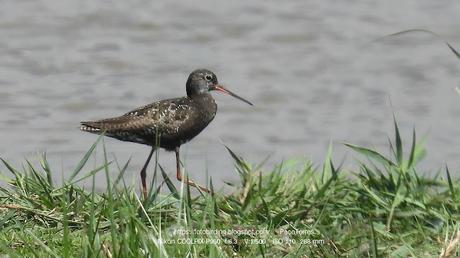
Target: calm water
308	66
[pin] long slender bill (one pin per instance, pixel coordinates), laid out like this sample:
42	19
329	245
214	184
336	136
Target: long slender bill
224	90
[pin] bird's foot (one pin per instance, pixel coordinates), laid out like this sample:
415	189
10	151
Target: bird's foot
192	183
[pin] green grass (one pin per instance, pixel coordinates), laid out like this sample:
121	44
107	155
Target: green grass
384	208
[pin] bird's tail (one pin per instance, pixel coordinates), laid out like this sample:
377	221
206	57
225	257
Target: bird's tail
92	127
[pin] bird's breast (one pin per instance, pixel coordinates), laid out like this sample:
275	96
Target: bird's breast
202	112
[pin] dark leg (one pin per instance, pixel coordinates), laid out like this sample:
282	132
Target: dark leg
144	174
189	182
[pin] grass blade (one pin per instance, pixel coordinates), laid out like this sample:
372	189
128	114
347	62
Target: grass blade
169	184
120	174
398	142
451	185
371	154
456	53
239	161
83	161
47	169
375	250
412	150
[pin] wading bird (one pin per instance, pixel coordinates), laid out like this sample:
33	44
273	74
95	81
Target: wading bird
167	123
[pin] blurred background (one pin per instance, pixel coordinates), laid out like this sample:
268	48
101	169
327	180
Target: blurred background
311	68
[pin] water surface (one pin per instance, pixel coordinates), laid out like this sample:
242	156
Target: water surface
310	68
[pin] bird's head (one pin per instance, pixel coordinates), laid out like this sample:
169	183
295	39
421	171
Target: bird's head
203	81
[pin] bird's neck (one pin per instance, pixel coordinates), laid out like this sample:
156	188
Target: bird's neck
202	97
205	100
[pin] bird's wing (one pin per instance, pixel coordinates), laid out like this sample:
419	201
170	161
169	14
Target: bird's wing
164	117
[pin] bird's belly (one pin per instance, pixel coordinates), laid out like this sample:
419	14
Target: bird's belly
182	135
168	139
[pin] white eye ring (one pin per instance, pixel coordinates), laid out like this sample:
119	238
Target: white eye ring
208	77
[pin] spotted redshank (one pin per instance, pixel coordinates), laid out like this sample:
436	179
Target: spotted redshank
167	123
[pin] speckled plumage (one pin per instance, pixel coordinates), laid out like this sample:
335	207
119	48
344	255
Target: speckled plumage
167	123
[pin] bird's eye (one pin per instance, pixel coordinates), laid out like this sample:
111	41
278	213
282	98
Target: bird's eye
208	77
